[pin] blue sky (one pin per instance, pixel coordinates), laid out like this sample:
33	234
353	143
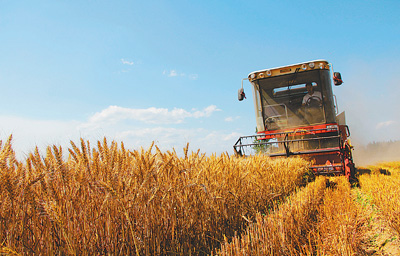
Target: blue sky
169	71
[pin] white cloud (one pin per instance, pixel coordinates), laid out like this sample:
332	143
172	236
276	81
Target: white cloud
170	73
232	136
114	114
193	76
220	137
231	119
384	124
174	73
209	141
206	112
126	62
28	133
135	127
166	136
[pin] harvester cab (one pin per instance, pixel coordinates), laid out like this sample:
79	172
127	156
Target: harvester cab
297	114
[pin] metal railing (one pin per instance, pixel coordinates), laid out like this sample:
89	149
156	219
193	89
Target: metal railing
289	143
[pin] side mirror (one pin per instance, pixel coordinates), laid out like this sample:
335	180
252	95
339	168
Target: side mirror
241	94
337	78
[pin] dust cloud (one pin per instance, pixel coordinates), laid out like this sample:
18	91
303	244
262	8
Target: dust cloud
376	152
369	97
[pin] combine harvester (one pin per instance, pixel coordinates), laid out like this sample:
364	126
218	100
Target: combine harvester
297	114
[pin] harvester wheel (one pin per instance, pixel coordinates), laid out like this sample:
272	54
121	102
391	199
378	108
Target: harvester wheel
349	166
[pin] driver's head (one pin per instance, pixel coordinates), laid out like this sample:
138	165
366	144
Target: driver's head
309	87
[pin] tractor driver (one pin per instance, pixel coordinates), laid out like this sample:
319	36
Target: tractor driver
312	98
311	105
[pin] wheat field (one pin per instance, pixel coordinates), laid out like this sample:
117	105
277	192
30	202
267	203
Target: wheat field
111	200
330	216
321	219
380	190
108	199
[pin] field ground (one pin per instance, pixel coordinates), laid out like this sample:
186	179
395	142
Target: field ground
111	200
382	240
377	192
328	217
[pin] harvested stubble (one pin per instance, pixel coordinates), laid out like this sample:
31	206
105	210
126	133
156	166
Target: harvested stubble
342	223
384	190
110	200
314	221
